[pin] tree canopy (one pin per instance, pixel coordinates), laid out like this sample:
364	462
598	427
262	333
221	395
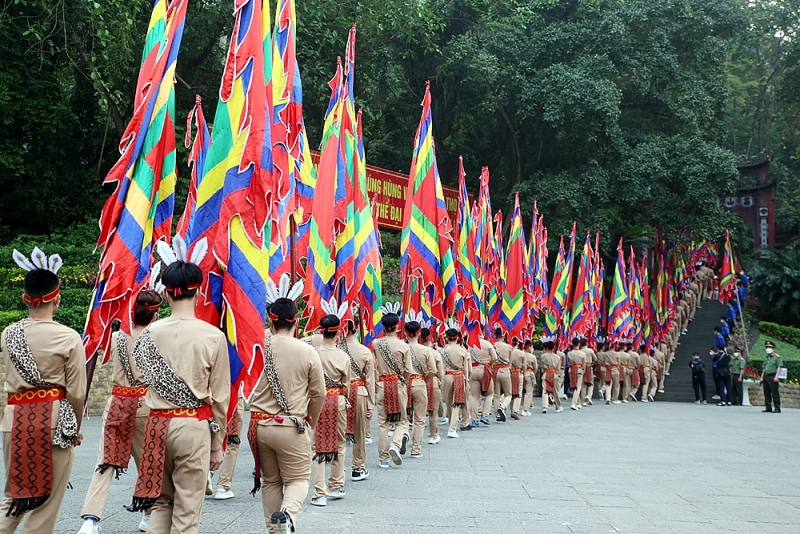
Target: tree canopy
625	115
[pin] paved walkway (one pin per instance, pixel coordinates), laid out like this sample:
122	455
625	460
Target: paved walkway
638	468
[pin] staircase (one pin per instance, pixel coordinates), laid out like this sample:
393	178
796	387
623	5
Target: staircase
700	337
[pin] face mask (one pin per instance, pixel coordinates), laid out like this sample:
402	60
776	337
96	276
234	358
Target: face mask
711	353
769	351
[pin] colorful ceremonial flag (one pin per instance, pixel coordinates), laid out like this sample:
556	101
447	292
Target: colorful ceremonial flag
727	274
619	307
495	274
139	212
514	309
427	236
197	160
580	323
557	315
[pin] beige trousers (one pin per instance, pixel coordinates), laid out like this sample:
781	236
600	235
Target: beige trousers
360	431
336	480
228	466
453	413
419	406
587	390
383	425
576	389
611	390
43	519
653	383
626	384
475	406
530	385
285	457
96	496
433	424
188	451
502	387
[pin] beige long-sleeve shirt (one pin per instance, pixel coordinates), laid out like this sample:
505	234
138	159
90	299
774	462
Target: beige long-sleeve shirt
300	374
517	359
365	362
426	359
58	353
487	352
336	364
197	352
459	357
503	352
400	352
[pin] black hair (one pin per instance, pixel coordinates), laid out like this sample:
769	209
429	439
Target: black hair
549	345
498	332
412	327
330	326
717	329
182	280
283	314
147	304
451	333
39	282
424	333
695	354
722	317
389	322
576	341
528	342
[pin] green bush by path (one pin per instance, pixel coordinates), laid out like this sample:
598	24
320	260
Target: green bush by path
789	353
789	334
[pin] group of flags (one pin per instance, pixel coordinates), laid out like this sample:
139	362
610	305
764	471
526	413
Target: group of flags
265	209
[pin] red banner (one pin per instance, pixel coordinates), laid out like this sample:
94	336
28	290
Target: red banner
388	189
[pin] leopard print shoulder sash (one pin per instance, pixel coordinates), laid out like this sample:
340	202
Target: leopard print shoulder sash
388	357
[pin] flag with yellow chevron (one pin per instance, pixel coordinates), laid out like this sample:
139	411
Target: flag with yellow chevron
514	310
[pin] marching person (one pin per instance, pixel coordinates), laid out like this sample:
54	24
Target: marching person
624	372
770	378
361	397
434	387
501	372
612	375
226	470
576	361
46	383
288	398
393	361
531	368
590	358
328	442
698	368
423	369
456	377
517	378
551	364
125	416
188	399
480	381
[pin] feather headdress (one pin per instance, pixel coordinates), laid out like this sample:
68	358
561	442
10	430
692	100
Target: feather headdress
452	323
38	260
392	307
179	251
331	307
155	281
285	289
419	318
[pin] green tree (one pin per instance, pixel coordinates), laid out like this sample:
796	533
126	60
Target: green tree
776	287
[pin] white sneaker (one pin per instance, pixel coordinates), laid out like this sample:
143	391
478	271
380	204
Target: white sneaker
644	400
391	433
667	373
617	402
573	407
394	454
544	410
209	485
367	440
89	527
589	401
434	440
452	434
144	522
661	391
443	420
416	455
319	501
338	494
223	494
526	413
625	401
559	409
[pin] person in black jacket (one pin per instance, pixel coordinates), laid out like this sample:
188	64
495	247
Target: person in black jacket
723	377
698	377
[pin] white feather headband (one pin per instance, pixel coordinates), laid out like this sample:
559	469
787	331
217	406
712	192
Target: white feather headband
155	281
38	260
331	307
419	318
392	307
545	339
452	324
285	289
179	251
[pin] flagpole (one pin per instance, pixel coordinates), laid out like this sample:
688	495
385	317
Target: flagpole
744	328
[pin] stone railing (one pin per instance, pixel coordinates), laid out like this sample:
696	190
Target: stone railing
790	395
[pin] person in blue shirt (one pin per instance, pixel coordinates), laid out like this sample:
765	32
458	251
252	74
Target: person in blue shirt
742	292
720	339
744	279
731	318
725	328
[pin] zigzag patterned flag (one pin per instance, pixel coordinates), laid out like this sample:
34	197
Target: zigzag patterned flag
727	276
197	161
468	284
580	323
557	318
372	289
139	212
321	268
619	307
514	310
482	218
541	290
495	273
427	237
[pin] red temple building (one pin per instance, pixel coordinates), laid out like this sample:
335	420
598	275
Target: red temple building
755	199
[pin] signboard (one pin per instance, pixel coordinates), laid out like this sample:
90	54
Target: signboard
389	189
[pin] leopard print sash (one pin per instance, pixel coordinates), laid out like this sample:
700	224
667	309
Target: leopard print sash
19	352
162	379
448	361
388	357
275	386
124	361
415	362
353	365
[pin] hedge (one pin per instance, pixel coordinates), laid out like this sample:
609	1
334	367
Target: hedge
789	334
789	354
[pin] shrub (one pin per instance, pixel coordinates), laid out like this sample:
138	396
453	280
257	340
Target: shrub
788	334
10	317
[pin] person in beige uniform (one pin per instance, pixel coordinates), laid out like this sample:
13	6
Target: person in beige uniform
223	491
643	371
287	399
434	387
517	378
551	364
328	442
624	372
393	363
482	361
184	361
633	371
45	376
457	367
531	368
363	366
661	359
589	359
612	375
653	387
502	376
575	360
423	368
126	411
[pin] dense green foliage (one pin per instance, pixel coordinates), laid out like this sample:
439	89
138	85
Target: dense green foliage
789	334
776	287
790	354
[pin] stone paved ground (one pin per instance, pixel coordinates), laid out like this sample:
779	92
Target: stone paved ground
662	467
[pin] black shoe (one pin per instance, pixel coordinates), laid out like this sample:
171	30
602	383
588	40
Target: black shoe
281	522
465	428
767	410
777	410
403	446
359	474
501	416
